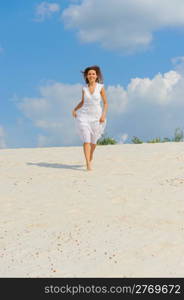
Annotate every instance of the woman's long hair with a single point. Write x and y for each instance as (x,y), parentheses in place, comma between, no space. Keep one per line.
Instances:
(98,73)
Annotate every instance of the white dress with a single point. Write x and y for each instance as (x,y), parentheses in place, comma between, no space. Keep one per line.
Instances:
(87,121)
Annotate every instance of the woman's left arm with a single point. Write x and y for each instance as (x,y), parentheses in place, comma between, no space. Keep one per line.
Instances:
(105,108)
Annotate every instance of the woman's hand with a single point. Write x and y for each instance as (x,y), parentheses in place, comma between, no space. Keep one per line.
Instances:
(74,114)
(102,119)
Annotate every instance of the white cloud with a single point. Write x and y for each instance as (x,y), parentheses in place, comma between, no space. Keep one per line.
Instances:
(45,10)
(2,138)
(126,26)
(118,99)
(159,90)
(178,63)
(46,125)
(52,112)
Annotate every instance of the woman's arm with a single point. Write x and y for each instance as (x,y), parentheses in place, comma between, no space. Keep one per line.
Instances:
(104,98)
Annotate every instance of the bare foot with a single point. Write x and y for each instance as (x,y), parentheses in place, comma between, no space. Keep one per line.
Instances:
(89,168)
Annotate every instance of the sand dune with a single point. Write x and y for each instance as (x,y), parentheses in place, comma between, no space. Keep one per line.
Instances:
(123,219)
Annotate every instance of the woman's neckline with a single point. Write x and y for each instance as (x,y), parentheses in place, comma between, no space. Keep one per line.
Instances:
(94,89)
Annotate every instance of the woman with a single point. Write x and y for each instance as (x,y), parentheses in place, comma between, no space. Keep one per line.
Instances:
(91,120)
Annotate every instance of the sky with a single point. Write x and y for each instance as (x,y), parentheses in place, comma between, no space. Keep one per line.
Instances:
(44,46)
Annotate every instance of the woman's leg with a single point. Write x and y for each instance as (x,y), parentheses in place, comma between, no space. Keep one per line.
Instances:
(87,150)
(93,146)
(86,144)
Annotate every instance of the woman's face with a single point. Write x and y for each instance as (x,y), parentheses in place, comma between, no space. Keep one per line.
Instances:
(92,76)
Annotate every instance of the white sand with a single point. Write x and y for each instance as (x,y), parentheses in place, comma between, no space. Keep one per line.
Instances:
(123,219)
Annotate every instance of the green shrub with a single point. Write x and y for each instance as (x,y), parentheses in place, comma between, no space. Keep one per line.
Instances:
(156,140)
(166,140)
(106,141)
(136,140)
(178,135)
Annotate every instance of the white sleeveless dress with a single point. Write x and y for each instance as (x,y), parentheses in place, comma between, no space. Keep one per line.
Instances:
(87,121)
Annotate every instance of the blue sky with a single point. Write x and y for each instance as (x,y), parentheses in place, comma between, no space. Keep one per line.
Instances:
(44,45)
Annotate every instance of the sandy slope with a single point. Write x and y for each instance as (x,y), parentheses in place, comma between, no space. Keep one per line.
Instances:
(123,219)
